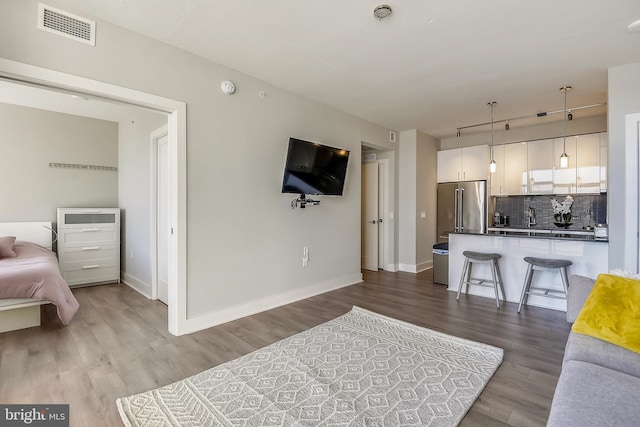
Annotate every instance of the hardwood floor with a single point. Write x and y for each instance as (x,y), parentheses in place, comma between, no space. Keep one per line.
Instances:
(118,345)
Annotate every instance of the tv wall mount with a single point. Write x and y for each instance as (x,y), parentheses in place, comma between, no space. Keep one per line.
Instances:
(303,201)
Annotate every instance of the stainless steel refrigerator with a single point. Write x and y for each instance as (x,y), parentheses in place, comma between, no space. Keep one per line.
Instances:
(462,208)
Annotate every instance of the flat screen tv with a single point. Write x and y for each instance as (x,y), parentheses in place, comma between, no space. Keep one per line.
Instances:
(314,169)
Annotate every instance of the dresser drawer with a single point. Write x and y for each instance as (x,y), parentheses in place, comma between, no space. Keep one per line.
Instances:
(79,255)
(89,236)
(91,273)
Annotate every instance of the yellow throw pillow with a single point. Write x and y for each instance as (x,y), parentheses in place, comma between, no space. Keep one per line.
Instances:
(612,312)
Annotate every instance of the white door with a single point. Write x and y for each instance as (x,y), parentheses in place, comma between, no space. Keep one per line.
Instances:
(370,216)
(163,228)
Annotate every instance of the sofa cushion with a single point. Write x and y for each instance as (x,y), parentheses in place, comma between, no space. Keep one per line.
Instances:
(590,395)
(592,350)
(579,289)
(612,312)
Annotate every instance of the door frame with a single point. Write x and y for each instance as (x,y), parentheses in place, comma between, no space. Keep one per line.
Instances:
(26,74)
(155,136)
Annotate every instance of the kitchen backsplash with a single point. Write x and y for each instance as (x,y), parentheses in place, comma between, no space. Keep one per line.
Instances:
(588,209)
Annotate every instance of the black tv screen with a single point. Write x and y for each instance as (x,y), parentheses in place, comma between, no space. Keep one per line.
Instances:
(313,168)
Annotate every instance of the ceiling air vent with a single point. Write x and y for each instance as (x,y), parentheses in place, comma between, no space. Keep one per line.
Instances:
(66,24)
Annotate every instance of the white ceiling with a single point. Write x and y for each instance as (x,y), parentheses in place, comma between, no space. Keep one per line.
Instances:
(432,65)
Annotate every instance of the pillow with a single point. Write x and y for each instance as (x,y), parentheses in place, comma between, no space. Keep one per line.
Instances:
(624,273)
(6,247)
(612,312)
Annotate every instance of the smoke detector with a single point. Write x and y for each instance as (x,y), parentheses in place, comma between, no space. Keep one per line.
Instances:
(382,12)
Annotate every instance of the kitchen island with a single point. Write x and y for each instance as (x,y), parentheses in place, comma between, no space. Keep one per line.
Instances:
(589,257)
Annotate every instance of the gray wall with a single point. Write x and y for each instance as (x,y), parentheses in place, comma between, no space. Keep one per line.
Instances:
(134,196)
(426,195)
(244,242)
(407,183)
(33,138)
(624,98)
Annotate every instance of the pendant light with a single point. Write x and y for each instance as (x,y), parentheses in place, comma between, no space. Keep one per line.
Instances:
(492,163)
(564,158)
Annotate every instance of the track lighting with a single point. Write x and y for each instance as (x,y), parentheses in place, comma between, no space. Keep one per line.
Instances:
(564,158)
(570,116)
(492,163)
(506,125)
(458,133)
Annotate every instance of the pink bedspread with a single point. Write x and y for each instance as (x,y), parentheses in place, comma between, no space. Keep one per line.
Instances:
(34,273)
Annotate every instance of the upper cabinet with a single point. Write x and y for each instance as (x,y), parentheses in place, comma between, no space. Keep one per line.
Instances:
(540,166)
(463,164)
(515,168)
(604,160)
(588,163)
(497,178)
(564,179)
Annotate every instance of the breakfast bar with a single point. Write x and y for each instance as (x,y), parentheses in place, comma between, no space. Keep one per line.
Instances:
(588,255)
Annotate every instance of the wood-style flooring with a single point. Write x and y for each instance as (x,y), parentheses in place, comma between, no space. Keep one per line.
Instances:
(118,345)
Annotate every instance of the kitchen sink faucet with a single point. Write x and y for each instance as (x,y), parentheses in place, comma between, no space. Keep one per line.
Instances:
(532,217)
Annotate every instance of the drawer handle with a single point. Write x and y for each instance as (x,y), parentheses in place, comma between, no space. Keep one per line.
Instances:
(86,267)
(91,248)
(90,229)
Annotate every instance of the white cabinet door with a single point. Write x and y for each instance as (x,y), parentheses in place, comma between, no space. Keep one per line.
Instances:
(475,163)
(564,179)
(449,165)
(540,166)
(604,160)
(497,178)
(588,164)
(515,168)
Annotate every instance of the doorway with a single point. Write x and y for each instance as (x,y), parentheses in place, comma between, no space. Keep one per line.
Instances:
(160,214)
(25,74)
(373,222)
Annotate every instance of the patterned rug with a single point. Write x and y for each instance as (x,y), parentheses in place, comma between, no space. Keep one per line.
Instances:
(361,369)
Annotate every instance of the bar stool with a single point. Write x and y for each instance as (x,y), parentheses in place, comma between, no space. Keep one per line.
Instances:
(544,263)
(466,279)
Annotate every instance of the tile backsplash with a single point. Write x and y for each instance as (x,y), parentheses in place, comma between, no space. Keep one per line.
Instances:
(587,209)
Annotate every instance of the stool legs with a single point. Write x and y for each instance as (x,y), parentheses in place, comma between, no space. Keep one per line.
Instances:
(498,286)
(565,280)
(526,286)
(465,276)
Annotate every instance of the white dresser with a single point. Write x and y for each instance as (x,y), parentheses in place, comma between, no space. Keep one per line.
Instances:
(89,245)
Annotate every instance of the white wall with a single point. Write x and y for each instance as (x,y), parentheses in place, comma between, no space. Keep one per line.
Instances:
(426,198)
(417,182)
(407,150)
(134,196)
(33,138)
(244,243)
(624,98)
(576,126)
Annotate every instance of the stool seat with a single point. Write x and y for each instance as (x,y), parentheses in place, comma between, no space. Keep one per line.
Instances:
(495,282)
(481,256)
(527,289)
(548,263)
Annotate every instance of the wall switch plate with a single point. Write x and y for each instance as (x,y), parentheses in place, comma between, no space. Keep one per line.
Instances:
(423,215)
(305,256)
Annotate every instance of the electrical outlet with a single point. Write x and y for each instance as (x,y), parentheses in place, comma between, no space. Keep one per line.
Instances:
(305,256)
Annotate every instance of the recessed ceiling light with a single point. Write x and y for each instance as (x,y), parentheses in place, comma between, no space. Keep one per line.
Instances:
(382,11)
(634,27)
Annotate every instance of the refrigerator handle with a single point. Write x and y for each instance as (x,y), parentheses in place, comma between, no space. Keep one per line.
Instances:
(455,210)
(461,209)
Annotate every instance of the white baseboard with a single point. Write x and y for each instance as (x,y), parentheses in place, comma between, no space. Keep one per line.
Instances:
(424,266)
(391,267)
(223,316)
(136,284)
(408,268)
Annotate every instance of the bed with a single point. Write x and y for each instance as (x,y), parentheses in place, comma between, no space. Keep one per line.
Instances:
(31,278)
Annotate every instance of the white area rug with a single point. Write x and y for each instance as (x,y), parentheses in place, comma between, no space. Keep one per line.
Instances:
(361,369)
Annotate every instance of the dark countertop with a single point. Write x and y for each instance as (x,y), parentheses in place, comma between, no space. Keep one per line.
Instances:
(545,233)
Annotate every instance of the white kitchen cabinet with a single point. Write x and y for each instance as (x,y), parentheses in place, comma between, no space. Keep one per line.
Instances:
(564,179)
(497,178)
(515,168)
(604,160)
(463,164)
(540,166)
(89,245)
(588,164)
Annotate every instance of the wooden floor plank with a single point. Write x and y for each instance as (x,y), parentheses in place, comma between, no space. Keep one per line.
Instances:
(118,344)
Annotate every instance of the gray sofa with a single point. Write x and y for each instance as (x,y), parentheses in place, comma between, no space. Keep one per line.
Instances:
(600,382)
